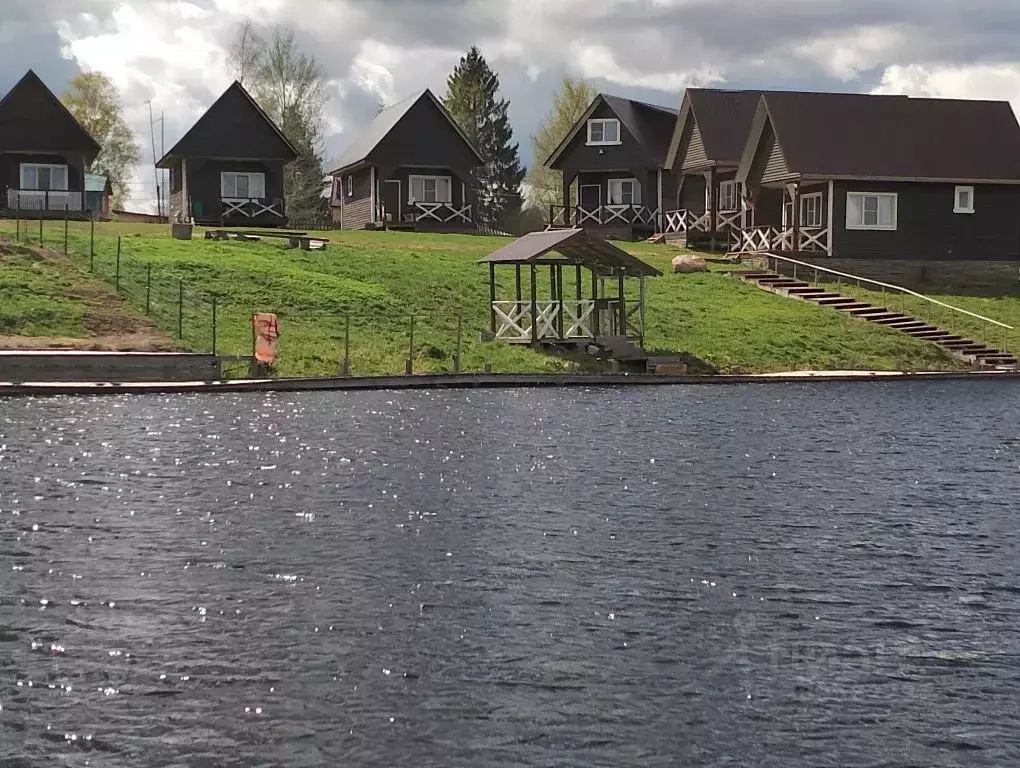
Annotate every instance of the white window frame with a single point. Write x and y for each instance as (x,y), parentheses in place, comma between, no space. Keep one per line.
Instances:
(37,167)
(603,142)
(350,185)
(957,208)
(816,197)
(728,189)
(249,175)
(615,189)
(424,178)
(853,225)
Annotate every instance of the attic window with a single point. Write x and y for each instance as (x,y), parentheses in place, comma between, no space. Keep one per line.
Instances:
(603,131)
(964,200)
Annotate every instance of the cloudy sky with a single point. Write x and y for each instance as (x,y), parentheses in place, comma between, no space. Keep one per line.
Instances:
(172,52)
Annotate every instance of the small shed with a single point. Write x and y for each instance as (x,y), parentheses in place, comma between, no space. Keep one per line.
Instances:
(585,306)
(98,192)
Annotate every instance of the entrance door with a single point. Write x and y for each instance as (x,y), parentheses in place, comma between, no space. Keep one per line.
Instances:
(590,200)
(391,201)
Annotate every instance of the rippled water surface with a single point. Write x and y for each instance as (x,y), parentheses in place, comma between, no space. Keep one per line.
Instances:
(775,575)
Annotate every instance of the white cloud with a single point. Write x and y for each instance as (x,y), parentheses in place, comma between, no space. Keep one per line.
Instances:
(846,54)
(999,82)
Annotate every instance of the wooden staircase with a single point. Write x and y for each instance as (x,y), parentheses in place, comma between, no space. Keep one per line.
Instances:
(961,347)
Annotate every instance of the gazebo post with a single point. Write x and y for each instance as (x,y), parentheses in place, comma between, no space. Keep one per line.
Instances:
(492,297)
(577,273)
(595,303)
(517,281)
(534,305)
(559,300)
(641,310)
(623,302)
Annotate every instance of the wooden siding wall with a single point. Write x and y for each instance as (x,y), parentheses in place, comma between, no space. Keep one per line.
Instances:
(578,156)
(769,164)
(768,207)
(10,169)
(695,155)
(692,193)
(176,192)
(356,209)
(648,180)
(928,229)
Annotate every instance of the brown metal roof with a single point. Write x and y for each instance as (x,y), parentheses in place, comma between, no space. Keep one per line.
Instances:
(573,245)
(724,118)
(895,137)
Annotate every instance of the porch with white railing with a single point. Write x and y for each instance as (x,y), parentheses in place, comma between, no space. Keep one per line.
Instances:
(44,200)
(684,220)
(604,216)
(439,213)
(251,207)
(766,239)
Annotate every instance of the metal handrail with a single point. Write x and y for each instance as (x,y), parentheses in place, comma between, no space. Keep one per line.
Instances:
(893,287)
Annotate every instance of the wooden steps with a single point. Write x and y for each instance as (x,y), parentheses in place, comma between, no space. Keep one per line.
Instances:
(960,346)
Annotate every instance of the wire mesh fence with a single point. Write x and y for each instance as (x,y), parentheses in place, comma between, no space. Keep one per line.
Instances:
(179,297)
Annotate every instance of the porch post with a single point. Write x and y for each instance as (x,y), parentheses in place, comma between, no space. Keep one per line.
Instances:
(796,217)
(661,208)
(566,199)
(828,238)
(623,303)
(372,192)
(534,305)
(712,195)
(185,202)
(492,297)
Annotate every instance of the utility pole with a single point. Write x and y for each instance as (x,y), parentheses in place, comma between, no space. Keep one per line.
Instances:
(155,170)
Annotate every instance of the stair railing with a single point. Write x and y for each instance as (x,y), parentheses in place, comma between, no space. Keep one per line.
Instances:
(773,260)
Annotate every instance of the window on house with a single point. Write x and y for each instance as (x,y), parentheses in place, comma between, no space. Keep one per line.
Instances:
(242,186)
(964,200)
(430,189)
(43,177)
(624,192)
(811,210)
(604,131)
(727,196)
(350,185)
(871,210)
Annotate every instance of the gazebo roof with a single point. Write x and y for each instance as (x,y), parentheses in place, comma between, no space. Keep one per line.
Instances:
(574,246)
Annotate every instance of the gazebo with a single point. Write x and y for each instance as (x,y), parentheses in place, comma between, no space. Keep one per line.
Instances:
(585,311)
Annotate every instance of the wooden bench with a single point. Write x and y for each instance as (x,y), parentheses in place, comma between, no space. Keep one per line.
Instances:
(300,240)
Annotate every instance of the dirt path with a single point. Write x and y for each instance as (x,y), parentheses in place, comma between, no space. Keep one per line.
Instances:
(109,323)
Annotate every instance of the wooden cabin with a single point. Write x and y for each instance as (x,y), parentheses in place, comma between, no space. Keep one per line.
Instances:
(883,177)
(613,161)
(704,152)
(44,152)
(227,170)
(412,168)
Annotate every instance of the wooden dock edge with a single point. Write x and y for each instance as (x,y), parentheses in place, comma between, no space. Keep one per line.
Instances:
(471,381)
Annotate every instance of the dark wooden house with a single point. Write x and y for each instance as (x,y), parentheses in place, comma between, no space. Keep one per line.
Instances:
(884,177)
(44,152)
(704,152)
(227,170)
(613,161)
(411,168)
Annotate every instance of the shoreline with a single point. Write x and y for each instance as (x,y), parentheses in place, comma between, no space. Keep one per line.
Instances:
(471,381)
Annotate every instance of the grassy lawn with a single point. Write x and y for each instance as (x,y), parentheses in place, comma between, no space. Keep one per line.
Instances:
(381,279)
(37,297)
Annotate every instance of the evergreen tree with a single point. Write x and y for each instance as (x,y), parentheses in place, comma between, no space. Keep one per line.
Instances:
(472,97)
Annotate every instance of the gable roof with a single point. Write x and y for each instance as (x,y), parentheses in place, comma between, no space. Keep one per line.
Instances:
(22,127)
(574,245)
(234,126)
(866,136)
(384,122)
(723,119)
(650,124)
(95,182)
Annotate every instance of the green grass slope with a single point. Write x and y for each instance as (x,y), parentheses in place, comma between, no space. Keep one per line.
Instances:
(381,279)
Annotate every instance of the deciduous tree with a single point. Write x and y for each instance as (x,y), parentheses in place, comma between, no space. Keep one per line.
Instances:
(246,53)
(472,98)
(95,102)
(570,102)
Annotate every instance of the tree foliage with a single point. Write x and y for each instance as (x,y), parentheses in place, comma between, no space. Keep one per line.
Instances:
(290,86)
(472,98)
(94,101)
(570,102)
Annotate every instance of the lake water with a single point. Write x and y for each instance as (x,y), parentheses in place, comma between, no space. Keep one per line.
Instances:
(763,575)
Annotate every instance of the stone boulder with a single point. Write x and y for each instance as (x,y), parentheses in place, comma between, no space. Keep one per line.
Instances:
(685,263)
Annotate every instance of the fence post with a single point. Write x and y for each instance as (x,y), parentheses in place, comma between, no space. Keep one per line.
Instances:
(66,216)
(180,308)
(346,370)
(409,368)
(456,355)
(116,278)
(148,288)
(92,241)
(214,324)
(17,224)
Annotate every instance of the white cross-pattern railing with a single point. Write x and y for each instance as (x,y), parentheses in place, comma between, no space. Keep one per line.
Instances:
(755,239)
(814,239)
(577,318)
(514,319)
(678,221)
(726,220)
(43,200)
(252,207)
(443,213)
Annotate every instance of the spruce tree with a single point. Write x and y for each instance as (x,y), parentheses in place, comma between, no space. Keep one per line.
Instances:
(472,97)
